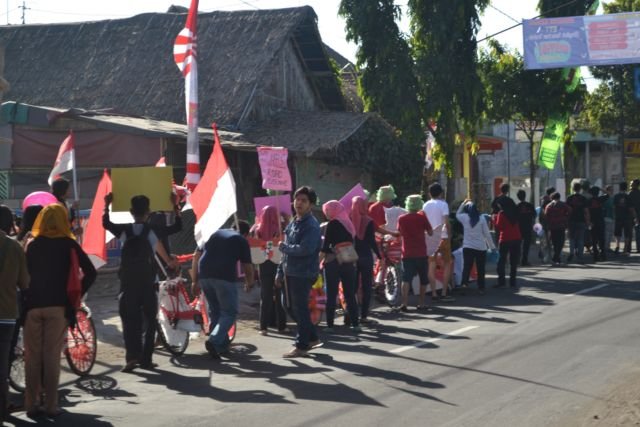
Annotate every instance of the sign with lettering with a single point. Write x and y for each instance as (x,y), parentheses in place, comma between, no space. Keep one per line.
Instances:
(582,40)
(274,168)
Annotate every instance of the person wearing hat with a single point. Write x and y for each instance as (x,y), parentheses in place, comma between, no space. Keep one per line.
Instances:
(634,199)
(412,227)
(385,196)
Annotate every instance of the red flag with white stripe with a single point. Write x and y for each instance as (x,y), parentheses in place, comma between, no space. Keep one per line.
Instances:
(214,199)
(66,159)
(94,236)
(184,54)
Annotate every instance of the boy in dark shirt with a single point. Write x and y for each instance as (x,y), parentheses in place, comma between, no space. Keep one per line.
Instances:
(578,222)
(526,217)
(624,216)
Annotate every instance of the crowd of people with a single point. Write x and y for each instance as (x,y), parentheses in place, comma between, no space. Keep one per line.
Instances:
(36,259)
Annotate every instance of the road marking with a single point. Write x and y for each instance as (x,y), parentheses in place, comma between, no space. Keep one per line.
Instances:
(434,339)
(584,291)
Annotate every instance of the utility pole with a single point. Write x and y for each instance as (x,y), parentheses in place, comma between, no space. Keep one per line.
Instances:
(24,8)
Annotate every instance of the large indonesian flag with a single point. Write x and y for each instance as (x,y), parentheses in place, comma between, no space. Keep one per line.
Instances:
(184,54)
(94,236)
(66,159)
(214,199)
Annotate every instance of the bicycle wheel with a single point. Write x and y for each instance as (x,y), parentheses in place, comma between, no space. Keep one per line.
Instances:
(175,341)
(82,344)
(392,283)
(16,369)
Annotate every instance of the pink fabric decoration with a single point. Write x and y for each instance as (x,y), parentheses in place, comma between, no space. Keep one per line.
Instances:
(333,209)
(268,223)
(360,216)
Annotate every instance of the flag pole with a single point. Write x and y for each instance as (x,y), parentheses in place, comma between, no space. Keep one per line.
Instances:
(75,178)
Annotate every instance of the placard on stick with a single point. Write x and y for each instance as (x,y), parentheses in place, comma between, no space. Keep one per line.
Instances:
(153,182)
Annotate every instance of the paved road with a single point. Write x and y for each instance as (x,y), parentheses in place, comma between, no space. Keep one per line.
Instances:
(537,357)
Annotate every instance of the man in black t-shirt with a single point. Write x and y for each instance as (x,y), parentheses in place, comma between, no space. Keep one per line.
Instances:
(215,271)
(596,212)
(624,216)
(634,200)
(526,217)
(578,222)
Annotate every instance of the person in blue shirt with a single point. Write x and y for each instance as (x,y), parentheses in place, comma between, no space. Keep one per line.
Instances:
(215,272)
(299,269)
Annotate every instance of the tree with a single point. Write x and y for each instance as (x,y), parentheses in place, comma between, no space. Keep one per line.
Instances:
(528,97)
(443,39)
(387,82)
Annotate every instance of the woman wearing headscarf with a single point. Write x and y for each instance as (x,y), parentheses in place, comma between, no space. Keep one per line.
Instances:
(28,218)
(268,227)
(48,307)
(476,239)
(366,246)
(506,224)
(340,230)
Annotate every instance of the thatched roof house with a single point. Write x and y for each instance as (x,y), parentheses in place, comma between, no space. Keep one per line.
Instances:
(128,64)
(264,76)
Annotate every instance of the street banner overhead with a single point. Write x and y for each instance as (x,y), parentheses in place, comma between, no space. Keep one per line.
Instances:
(582,40)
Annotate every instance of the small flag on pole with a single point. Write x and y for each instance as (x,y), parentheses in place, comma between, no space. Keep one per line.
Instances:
(66,159)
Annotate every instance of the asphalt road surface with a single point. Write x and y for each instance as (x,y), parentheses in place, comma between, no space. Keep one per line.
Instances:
(538,357)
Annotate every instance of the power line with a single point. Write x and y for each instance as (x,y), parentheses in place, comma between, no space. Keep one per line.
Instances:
(503,13)
(520,23)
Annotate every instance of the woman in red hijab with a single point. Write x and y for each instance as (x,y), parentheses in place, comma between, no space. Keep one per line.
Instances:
(267,228)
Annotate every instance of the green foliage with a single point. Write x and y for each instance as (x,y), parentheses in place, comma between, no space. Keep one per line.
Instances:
(556,8)
(387,83)
(443,41)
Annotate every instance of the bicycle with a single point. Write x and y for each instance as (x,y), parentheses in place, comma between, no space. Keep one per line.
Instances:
(80,349)
(179,315)
(387,271)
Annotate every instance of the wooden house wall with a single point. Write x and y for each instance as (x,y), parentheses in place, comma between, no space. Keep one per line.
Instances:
(284,86)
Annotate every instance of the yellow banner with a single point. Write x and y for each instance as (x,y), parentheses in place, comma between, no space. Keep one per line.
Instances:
(153,182)
(632,147)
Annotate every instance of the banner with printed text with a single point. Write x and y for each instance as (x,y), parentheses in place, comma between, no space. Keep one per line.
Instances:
(552,140)
(582,40)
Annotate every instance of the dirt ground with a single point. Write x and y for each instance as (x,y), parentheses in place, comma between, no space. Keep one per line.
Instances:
(619,405)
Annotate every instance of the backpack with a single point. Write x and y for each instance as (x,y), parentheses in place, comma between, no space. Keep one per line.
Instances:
(137,259)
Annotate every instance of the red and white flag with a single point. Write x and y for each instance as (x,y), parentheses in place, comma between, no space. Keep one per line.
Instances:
(66,159)
(94,241)
(214,199)
(184,54)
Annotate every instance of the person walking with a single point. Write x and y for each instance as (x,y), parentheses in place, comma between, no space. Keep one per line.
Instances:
(504,194)
(557,218)
(624,218)
(137,274)
(439,242)
(267,228)
(412,227)
(579,221)
(526,218)
(609,220)
(596,214)
(340,233)
(49,310)
(300,267)
(634,201)
(13,276)
(214,270)
(510,239)
(366,246)
(475,242)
